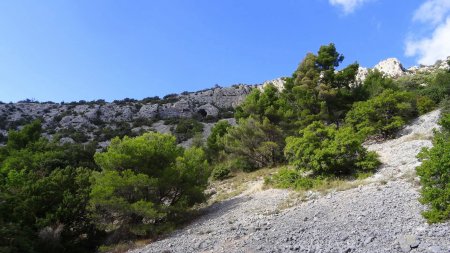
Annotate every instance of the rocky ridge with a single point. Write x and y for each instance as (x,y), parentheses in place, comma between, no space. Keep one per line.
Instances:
(381,215)
(87,119)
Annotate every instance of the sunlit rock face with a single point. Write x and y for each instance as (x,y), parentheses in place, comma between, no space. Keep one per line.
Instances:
(391,67)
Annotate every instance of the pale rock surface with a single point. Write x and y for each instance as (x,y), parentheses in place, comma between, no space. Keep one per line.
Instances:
(361,75)
(391,67)
(148,111)
(278,83)
(209,109)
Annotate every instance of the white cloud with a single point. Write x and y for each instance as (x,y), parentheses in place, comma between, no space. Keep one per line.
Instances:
(348,5)
(433,48)
(432,11)
(435,15)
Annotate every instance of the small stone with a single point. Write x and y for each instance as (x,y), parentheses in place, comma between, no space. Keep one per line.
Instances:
(408,242)
(368,240)
(435,249)
(347,250)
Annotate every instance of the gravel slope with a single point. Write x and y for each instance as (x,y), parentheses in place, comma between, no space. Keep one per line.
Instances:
(381,216)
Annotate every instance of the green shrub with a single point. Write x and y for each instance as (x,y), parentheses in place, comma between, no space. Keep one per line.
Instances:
(326,150)
(288,178)
(43,194)
(214,143)
(146,184)
(438,87)
(374,84)
(258,143)
(434,175)
(425,104)
(221,171)
(384,114)
(445,105)
(187,128)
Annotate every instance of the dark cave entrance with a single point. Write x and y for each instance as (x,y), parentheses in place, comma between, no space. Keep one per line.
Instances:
(202,112)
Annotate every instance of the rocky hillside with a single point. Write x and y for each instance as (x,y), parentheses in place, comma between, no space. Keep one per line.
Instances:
(83,121)
(100,121)
(379,214)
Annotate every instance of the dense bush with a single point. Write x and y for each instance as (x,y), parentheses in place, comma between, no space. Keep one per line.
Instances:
(146,184)
(374,84)
(221,171)
(288,178)
(261,104)
(445,105)
(187,128)
(438,88)
(326,150)
(43,193)
(434,175)
(214,143)
(384,114)
(425,104)
(258,143)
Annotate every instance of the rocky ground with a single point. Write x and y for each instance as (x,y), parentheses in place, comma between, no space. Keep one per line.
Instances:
(381,215)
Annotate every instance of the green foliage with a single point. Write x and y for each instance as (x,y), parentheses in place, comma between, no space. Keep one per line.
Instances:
(438,88)
(425,104)
(258,143)
(261,104)
(434,173)
(317,91)
(44,191)
(221,171)
(445,105)
(414,82)
(20,139)
(374,84)
(187,128)
(384,114)
(288,178)
(214,143)
(326,150)
(145,185)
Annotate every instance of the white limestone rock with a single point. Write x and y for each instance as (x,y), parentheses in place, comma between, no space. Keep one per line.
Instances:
(361,75)
(278,83)
(391,67)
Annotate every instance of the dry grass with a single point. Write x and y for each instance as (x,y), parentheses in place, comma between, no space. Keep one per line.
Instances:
(294,199)
(418,136)
(238,183)
(411,177)
(124,247)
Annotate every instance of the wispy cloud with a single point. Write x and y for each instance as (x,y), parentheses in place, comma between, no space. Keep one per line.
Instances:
(435,14)
(432,11)
(348,6)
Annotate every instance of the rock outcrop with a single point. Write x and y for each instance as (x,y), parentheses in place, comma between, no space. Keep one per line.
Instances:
(391,67)
(278,83)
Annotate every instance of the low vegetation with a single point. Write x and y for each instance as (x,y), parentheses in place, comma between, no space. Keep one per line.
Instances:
(434,175)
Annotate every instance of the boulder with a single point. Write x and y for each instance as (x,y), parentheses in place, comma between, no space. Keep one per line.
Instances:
(208,110)
(148,111)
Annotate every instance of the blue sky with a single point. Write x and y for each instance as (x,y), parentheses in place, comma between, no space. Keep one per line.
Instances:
(73,50)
